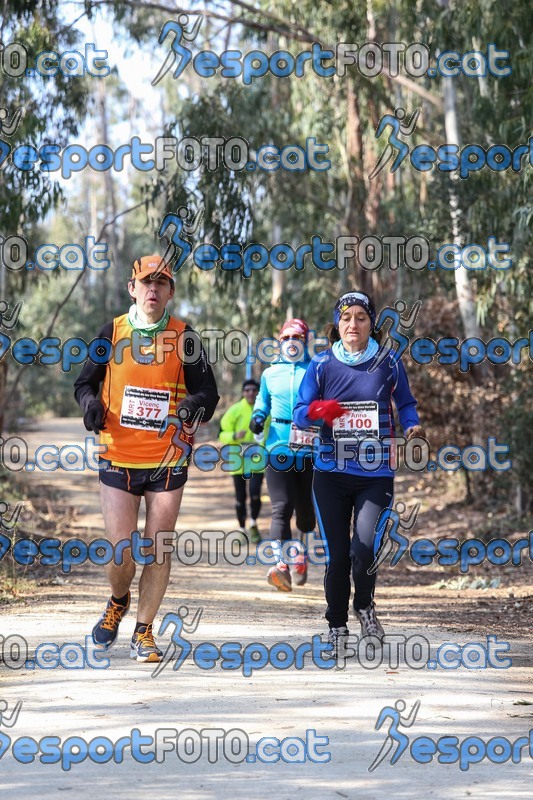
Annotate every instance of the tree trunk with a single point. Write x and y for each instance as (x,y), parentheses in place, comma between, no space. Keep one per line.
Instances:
(355,212)
(3,385)
(110,200)
(465,296)
(278,275)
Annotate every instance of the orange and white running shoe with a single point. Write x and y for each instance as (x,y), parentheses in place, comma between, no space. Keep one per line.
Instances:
(280,577)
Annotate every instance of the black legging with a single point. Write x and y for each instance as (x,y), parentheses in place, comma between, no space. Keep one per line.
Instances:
(254,487)
(290,491)
(337,496)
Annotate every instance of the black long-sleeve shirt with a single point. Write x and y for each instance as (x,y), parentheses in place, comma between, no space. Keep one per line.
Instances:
(199,378)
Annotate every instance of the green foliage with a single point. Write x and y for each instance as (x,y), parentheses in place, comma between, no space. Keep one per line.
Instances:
(517,421)
(247,207)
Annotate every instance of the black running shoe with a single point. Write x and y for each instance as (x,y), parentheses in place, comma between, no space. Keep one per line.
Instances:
(337,642)
(370,624)
(105,631)
(143,646)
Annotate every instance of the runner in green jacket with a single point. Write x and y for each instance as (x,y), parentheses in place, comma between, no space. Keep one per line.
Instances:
(234,427)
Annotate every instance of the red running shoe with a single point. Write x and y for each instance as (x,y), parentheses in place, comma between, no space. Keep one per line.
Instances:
(300,569)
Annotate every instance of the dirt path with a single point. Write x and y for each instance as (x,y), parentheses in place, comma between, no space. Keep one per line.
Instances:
(237,604)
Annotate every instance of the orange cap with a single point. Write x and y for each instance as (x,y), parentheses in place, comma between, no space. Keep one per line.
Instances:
(147,265)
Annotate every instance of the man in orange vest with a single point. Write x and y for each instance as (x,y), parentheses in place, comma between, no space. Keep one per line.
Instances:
(152,378)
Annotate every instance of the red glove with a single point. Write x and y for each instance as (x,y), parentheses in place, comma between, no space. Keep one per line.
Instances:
(328,410)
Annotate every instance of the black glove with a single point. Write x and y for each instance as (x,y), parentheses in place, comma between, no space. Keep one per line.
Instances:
(256,425)
(189,408)
(93,419)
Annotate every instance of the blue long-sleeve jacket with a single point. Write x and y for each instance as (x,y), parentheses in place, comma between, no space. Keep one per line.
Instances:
(277,396)
(327,378)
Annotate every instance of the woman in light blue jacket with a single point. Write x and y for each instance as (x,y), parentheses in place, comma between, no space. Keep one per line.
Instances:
(289,472)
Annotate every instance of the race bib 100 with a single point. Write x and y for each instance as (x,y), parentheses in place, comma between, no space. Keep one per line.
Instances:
(360,420)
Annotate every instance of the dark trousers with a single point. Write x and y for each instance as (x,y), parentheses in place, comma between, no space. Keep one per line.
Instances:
(290,491)
(254,487)
(339,497)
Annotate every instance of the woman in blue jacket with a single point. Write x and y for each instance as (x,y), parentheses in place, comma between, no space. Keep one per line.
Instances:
(350,388)
(289,474)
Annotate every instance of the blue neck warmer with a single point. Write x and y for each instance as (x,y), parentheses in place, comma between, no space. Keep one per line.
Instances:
(351,359)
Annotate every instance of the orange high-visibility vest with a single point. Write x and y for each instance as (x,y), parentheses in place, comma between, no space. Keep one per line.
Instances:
(139,397)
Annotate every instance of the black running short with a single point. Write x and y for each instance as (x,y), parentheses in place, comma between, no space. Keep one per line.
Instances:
(139,481)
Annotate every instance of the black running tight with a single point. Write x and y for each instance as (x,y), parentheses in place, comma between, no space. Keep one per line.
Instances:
(338,497)
(254,487)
